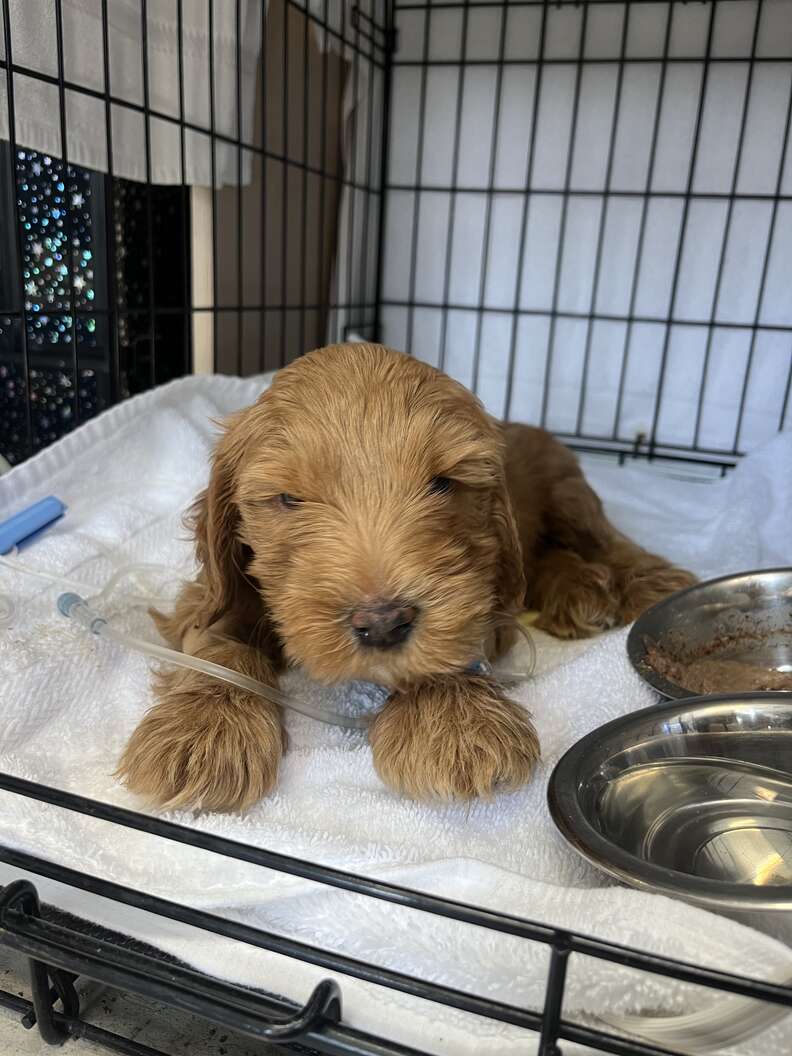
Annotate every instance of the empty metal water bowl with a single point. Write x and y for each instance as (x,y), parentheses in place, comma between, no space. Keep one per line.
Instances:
(688,798)
(723,636)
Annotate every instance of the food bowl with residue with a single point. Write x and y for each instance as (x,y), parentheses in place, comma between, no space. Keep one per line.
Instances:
(728,635)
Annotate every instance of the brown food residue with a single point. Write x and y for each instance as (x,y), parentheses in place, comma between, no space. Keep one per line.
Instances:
(707,674)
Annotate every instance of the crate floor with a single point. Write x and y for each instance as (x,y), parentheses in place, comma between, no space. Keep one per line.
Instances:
(152,1024)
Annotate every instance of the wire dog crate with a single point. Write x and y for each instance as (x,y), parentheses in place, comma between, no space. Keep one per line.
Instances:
(608,259)
(586,222)
(581,210)
(234,153)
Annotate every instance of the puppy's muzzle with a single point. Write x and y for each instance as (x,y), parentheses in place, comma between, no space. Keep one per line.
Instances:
(383,625)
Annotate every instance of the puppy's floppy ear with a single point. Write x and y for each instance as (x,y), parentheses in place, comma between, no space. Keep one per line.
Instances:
(215,521)
(510,570)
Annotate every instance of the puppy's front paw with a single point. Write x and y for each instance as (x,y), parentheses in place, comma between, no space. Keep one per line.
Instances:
(453,738)
(581,601)
(645,586)
(203,745)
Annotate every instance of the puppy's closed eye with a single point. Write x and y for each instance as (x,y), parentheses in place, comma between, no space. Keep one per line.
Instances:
(440,485)
(287,501)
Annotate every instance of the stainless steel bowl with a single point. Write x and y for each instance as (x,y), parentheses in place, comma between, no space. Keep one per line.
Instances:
(745,619)
(692,799)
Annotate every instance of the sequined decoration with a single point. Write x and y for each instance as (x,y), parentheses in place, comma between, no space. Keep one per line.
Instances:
(122,348)
(55,214)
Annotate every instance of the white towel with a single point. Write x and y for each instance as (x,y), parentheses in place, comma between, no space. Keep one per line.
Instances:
(70,702)
(37,108)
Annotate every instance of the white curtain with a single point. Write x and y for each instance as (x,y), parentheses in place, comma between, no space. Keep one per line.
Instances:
(354,278)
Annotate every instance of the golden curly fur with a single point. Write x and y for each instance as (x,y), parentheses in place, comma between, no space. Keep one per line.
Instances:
(362,477)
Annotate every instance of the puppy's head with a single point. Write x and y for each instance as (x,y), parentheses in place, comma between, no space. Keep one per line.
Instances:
(363,497)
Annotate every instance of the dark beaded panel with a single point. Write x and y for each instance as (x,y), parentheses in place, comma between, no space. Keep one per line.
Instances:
(62,237)
(56,210)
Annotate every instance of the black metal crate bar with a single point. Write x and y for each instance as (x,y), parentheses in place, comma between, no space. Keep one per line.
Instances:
(445,66)
(287,175)
(318,1024)
(316,282)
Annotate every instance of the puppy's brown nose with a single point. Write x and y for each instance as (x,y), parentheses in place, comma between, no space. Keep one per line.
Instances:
(383,626)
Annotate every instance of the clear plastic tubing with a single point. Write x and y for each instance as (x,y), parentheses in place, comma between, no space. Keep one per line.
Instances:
(76,608)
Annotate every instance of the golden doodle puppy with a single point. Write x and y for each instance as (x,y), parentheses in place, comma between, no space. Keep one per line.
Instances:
(368,520)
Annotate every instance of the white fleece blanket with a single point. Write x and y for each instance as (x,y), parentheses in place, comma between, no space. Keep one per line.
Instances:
(69,702)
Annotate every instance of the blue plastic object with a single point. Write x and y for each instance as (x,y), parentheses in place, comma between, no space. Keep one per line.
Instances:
(25,524)
(66,603)
(478,667)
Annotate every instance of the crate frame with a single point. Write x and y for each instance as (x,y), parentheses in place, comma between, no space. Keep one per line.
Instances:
(59,954)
